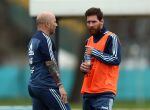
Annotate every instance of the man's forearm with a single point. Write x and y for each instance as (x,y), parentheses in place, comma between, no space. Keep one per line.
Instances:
(107,58)
(53,69)
(113,56)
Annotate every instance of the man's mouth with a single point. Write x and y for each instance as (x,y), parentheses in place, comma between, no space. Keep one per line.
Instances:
(92,30)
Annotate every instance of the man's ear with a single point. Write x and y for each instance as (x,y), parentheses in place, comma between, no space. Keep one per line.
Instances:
(47,24)
(102,23)
(102,20)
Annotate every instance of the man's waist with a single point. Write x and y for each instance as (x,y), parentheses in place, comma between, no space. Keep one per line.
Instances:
(37,63)
(103,94)
(42,84)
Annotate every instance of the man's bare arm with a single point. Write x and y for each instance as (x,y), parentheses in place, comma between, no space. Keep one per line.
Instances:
(53,69)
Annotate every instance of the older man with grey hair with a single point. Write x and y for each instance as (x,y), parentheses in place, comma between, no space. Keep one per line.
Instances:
(45,87)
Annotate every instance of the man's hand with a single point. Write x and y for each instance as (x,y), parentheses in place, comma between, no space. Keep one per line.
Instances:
(88,50)
(84,67)
(63,94)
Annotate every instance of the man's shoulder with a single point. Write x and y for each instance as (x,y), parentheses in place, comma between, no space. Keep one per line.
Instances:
(113,38)
(38,35)
(112,35)
(36,39)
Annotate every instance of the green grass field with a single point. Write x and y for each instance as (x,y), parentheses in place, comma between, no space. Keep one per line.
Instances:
(118,105)
(30,108)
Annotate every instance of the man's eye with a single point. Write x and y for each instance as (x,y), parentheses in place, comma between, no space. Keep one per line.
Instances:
(93,21)
(88,22)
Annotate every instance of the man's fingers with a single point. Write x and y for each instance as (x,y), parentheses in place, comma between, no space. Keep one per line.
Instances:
(63,94)
(88,50)
(85,66)
(64,98)
(88,47)
(84,69)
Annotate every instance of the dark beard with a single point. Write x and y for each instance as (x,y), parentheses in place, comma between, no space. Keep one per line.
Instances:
(95,33)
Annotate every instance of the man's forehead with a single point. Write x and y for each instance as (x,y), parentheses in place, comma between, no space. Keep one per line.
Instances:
(92,17)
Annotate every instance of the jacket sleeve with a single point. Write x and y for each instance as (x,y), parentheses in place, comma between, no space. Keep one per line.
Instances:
(112,51)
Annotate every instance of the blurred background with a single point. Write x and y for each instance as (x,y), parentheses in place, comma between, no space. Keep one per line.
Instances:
(17,24)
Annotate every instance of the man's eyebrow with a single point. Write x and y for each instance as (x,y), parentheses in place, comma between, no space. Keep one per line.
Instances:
(91,20)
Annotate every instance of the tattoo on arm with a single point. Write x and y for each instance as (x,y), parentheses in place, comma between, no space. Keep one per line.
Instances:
(53,69)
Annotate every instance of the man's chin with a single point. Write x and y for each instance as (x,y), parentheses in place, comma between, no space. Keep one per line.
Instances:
(52,33)
(92,33)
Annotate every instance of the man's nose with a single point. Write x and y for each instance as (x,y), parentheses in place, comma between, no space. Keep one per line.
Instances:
(56,24)
(91,24)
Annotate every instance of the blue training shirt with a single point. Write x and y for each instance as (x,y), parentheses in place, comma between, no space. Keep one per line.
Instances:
(41,49)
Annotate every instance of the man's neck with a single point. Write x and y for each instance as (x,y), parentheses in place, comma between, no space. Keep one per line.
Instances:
(99,35)
(44,31)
